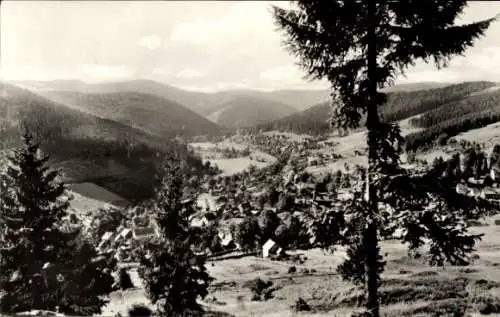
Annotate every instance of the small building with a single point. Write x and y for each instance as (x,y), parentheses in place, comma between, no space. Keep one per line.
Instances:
(205,220)
(474,192)
(123,235)
(490,194)
(226,238)
(255,212)
(495,174)
(107,236)
(462,189)
(143,233)
(345,194)
(271,248)
(475,181)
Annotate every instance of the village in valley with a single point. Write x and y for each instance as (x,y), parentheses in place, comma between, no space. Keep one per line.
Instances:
(282,198)
(238,159)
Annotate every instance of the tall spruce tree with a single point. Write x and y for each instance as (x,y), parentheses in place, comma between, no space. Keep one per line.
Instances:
(495,157)
(360,47)
(42,265)
(174,275)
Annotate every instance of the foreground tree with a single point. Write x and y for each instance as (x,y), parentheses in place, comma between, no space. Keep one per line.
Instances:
(360,47)
(43,265)
(174,275)
(495,157)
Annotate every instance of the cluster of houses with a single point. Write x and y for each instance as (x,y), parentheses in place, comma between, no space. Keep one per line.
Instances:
(320,159)
(277,144)
(475,188)
(124,239)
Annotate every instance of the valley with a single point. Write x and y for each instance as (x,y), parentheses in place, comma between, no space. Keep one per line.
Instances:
(241,169)
(250,158)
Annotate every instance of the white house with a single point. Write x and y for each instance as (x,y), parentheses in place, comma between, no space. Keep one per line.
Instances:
(123,235)
(225,238)
(271,248)
(107,236)
(462,189)
(495,174)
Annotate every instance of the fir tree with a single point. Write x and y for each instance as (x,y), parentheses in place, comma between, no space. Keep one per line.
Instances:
(43,265)
(481,165)
(359,47)
(495,157)
(174,275)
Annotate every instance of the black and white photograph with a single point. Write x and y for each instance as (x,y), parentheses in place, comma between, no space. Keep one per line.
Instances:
(317,158)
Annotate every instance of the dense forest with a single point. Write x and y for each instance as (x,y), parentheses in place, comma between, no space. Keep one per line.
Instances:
(69,134)
(313,121)
(148,112)
(404,104)
(453,118)
(399,105)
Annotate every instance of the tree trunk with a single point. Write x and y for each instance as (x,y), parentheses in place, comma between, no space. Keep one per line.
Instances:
(370,238)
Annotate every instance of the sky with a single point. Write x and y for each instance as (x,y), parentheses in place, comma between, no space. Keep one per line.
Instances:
(195,45)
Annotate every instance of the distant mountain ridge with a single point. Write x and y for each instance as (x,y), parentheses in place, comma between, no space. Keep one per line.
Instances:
(148,112)
(400,105)
(235,109)
(243,111)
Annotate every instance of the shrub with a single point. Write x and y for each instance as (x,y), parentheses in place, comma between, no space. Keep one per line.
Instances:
(260,289)
(246,234)
(124,279)
(487,304)
(140,310)
(301,305)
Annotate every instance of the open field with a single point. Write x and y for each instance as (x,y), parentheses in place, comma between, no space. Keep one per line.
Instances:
(489,135)
(410,286)
(98,193)
(231,166)
(236,165)
(348,145)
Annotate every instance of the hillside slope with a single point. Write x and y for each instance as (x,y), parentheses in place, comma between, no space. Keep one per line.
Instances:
(399,105)
(473,112)
(144,111)
(244,111)
(204,103)
(300,99)
(115,156)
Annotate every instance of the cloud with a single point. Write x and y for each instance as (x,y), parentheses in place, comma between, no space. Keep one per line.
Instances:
(160,71)
(285,72)
(481,64)
(152,42)
(242,29)
(225,41)
(20,72)
(231,85)
(95,71)
(486,60)
(443,76)
(189,74)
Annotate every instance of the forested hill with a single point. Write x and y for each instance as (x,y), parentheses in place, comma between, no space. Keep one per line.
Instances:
(246,111)
(204,103)
(400,105)
(116,156)
(148,112)
(455,117)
